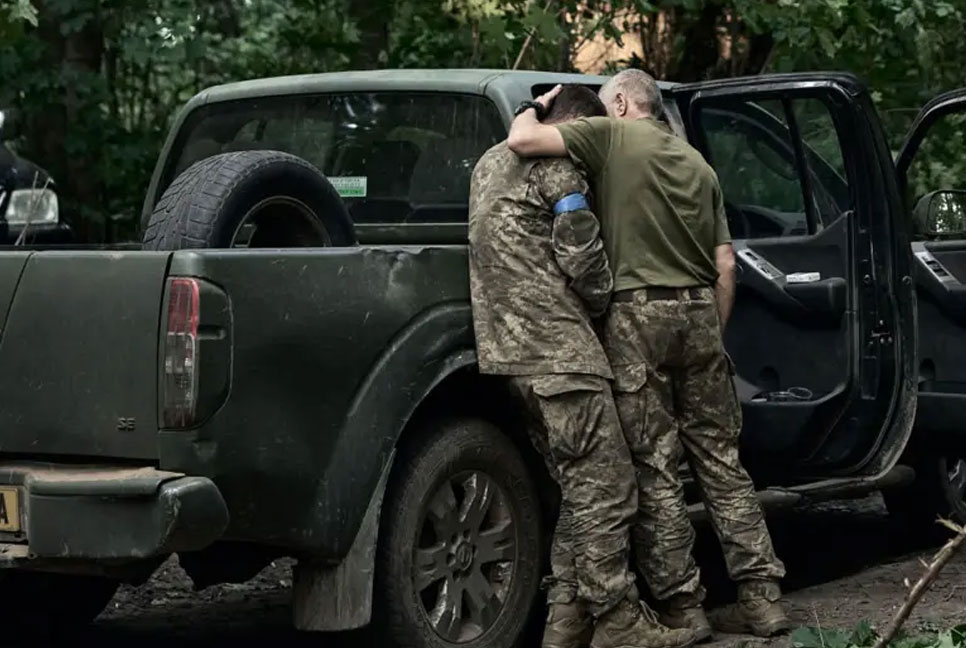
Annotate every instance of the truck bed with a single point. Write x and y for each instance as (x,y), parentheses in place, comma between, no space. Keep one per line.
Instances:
(310,359)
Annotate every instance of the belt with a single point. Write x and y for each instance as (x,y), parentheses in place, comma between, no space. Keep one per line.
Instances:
(659,293)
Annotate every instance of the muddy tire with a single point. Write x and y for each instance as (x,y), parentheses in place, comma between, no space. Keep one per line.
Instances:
(461,542)
(40,601)
(249,199)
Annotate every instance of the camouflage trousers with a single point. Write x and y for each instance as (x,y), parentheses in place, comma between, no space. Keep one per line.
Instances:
(576,428)
(676,400)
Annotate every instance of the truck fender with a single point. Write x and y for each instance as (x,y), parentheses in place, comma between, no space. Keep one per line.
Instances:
(433,345)
(338,597)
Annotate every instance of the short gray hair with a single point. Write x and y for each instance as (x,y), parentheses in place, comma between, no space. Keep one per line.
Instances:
(639,87)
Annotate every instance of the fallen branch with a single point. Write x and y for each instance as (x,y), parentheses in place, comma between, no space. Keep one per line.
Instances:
(916,592)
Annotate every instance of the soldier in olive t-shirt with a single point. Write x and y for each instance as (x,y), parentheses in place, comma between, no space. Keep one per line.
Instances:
(661,214)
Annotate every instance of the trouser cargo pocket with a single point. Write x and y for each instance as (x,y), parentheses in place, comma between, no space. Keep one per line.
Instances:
(630,396)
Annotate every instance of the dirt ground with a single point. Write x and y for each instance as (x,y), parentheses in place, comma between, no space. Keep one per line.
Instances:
(846,562)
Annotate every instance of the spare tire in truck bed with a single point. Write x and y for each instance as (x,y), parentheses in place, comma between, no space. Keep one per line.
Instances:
(249,199)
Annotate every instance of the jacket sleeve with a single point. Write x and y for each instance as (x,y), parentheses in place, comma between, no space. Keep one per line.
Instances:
(577,246)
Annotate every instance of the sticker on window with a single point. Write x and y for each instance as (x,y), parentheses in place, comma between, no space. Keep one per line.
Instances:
(350,186)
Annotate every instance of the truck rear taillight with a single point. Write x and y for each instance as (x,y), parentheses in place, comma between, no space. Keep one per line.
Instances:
(179,390)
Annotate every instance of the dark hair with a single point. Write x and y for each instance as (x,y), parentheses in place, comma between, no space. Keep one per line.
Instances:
(575,101)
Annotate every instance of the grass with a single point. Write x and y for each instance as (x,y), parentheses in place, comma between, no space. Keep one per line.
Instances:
(865,636)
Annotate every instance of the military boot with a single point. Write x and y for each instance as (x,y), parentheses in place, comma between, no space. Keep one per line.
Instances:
(758,611)
(633,625)
(568,626)
(685,611)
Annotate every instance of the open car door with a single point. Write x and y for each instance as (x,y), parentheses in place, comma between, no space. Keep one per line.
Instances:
(931,170)
(823,330)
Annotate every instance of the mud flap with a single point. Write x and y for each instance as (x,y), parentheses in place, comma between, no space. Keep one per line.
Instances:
(329,598)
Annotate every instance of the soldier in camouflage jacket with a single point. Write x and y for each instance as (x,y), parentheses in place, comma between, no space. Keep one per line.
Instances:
(539,275)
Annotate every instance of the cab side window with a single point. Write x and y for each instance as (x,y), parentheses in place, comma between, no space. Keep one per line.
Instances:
(394,157)
(763,173)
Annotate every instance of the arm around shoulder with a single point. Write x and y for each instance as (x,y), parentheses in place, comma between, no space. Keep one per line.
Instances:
(530,138)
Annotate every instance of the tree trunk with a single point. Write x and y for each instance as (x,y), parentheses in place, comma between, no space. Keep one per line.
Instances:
(372,18)
(698,56)
(78,55)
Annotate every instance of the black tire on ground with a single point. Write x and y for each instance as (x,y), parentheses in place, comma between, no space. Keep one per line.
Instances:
(461,544)
(46,601)
(938,491)
(216,202)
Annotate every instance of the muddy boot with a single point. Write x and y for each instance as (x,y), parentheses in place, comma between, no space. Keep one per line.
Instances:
(758,611)
(633,625)
(568,626)
(685,611)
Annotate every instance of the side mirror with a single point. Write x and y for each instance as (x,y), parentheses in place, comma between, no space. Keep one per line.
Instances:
(941,214)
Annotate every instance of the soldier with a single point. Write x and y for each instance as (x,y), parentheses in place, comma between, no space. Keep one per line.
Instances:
(538,275)
(664,228)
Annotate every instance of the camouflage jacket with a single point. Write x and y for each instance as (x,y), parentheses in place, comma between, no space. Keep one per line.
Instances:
(536,280)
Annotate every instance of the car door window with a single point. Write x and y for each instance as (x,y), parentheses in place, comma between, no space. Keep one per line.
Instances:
(750,146)
(826,165)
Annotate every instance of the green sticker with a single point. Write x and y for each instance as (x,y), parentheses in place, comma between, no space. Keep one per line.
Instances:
(350,186)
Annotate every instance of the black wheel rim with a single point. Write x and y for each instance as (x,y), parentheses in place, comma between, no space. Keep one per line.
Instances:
(280,221)
(953,472)
(463,563)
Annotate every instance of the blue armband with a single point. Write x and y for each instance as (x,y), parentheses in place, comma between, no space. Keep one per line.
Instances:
(569,203)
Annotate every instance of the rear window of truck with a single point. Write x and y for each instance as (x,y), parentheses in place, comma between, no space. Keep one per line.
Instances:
(394,157)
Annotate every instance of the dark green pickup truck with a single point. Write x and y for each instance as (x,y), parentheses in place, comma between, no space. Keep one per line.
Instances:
(288,368)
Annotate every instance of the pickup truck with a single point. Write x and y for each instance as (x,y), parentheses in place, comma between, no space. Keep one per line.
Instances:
(287,367)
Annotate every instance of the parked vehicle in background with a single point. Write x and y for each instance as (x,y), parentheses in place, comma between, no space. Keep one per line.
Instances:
(29,208)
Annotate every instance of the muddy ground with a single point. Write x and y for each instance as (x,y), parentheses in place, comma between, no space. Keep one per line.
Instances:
(846,562)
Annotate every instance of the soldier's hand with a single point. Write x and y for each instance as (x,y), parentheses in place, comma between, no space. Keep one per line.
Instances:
(547,98)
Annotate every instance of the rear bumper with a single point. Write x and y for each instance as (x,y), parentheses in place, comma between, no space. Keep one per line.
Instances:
(98,513)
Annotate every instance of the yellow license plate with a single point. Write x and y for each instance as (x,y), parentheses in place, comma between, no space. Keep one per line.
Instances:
(9,510)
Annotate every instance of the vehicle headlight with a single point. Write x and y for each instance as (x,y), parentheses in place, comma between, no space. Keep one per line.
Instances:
(36,206)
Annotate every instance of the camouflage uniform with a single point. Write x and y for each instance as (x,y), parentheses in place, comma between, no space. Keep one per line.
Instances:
(536,281)
(675,395)
(662,218)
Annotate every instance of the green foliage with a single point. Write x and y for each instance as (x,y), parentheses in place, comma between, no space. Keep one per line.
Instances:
(14,15)
(99,81)
(865,636)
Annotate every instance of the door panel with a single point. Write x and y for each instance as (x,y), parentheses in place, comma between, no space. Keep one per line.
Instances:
(932,159)
(812,211)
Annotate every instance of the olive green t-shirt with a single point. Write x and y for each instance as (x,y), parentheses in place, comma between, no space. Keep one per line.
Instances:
(658,201)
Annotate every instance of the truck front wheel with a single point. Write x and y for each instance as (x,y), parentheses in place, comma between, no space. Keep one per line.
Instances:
(461,541)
